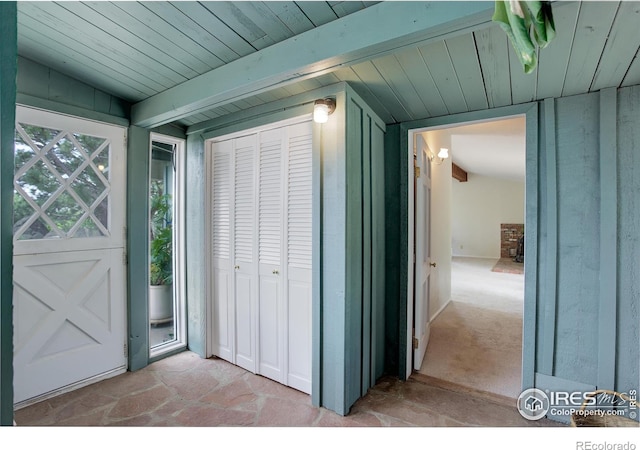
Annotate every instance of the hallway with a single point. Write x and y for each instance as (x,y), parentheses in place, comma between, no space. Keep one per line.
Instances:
(476,341)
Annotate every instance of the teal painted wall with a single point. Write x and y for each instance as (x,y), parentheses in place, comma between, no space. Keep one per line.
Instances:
(138,141)
(40,86)
(8,56)
(588,320)
(195,220)
(364,295)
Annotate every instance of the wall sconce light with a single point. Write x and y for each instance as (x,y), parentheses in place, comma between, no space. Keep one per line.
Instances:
(322,109)
(442,155)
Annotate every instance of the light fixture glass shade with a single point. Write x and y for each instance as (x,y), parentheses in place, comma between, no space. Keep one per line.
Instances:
(320,113)
(443,153)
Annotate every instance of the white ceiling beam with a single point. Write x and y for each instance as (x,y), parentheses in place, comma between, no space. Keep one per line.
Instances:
(363,35)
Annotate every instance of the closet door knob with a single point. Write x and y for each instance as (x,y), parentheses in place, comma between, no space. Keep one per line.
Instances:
(275,271)
(432,264)
(237,267)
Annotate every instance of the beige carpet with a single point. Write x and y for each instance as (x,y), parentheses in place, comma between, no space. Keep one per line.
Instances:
(508,265)
(476,341)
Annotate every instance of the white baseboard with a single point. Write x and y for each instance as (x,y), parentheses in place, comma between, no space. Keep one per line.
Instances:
(440,310)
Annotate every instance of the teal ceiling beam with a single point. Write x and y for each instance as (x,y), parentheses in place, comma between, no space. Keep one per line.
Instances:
(361,36)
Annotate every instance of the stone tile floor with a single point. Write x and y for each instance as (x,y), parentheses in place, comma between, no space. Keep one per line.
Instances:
(187,391)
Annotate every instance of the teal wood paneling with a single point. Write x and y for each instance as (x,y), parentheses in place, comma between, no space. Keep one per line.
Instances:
(378,248)
(138,144)
(113,52)
(627,365)
(549,294)
(594,23)
(607,320)
(622,45)
(41,87)
(291,16)
(333,269)
(367,244)
(532,248)
(364,133)
(393,243)
(633,75)
(393,74)
(464,56)
(578,258)
(493,53)
(437,59)
(354,253)
(171,44)
(318,12)
(216,29)
(420,78)
(554,59)
(349,76)
(368,73)
(112,76)
(523,85)
(142,54)
(8,70)
(196,274)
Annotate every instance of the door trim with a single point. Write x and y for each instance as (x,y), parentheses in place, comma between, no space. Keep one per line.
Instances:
(530,111)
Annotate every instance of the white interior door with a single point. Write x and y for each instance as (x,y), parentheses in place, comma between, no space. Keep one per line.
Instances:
(261,233)
(271,321)
(299,241)
(245,251)
(69,271)
(222,280)
(422,251)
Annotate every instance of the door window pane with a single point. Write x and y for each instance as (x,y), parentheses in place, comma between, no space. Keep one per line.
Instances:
(61,187)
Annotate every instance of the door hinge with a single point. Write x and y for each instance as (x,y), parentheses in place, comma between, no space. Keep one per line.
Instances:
(417,171)
(126,350)
(415,343)
(125,259)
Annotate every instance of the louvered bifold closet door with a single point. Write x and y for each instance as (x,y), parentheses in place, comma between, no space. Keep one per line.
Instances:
(271,319)
(245,251)
(222,277)
(298,231)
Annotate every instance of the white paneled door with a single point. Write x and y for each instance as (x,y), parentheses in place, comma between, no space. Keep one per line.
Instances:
(69,270)
(261,251)
(422,241)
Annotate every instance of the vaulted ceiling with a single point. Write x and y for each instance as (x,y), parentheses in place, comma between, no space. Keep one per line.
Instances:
(138,50)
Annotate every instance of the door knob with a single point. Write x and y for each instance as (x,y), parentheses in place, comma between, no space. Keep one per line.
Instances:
(432,264)
(237,267)
(275,271)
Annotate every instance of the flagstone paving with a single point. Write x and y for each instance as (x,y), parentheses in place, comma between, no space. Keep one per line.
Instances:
(185,390)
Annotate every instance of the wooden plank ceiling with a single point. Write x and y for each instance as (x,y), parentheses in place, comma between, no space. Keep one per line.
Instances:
(135,50)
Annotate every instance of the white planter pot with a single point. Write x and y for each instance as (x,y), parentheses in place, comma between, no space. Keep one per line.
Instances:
(160,303)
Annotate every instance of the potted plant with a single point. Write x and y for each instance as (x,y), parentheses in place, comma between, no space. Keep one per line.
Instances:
(160,256)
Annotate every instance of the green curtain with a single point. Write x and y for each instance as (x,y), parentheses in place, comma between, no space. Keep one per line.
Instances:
(528,24)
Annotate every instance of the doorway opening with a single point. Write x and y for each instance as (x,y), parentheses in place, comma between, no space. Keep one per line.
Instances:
(475,299)
(167,305)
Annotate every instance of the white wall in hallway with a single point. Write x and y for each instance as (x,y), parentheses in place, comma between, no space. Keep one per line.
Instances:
(478,208)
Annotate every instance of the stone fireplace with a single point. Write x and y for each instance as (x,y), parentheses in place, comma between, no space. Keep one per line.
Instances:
(509,235)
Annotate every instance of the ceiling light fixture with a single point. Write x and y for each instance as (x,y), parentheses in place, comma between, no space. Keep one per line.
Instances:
(322,109)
